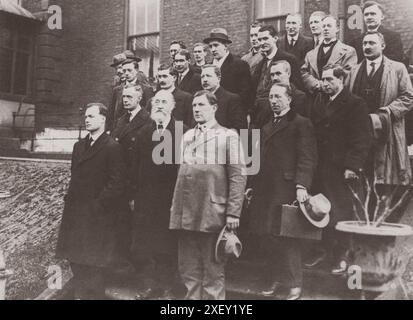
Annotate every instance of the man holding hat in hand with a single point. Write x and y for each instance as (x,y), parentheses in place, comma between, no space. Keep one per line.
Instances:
(235,73)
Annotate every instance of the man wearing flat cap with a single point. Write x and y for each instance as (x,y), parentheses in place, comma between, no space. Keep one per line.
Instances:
(235,73)
(132,75)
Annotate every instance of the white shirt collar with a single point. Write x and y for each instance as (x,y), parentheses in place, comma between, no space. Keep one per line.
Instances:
(376,61)
(132,114)
(183,74)
(319,38)
(272,55)
(332,40)
(295,38)
(282,113)
(219,63)
(332,98)
(95,136)
(164,123)
(207,126)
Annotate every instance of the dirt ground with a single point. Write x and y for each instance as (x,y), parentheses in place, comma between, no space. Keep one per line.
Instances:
(29,222)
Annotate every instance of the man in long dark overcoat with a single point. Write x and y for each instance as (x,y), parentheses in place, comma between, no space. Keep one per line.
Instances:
(343,135)
(156,172)
(87,237)
(288,162)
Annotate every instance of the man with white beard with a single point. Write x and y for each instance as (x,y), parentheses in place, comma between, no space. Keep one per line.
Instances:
(155,175)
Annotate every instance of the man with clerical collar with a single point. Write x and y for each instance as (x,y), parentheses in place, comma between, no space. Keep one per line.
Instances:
(294,41)
(254,56)
(230,113)
(156,172)
(331,52)
(316,27)
(374,14)
(167,76)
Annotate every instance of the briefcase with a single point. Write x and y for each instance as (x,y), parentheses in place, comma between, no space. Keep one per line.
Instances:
(295,225)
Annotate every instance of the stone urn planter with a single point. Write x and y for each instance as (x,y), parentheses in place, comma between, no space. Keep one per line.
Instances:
(374,250)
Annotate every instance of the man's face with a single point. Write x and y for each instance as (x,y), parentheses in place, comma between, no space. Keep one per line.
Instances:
(279,99)
(279,75)
(372,46)
(316,25)
(173,50)
(293,25)
(330,29)
(203,110)
(165,79)
(218,49)
(162,106)
(199,54)
(131,98)
(93,119)
(181,64)
(331,84)
(267,42)
(373,17)
(209,79)
(254,38)
(130,72)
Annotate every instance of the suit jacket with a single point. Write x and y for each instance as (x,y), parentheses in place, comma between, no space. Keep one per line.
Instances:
(116,109)
(342,55)
(191,83)
(230,113)
(126,134)
(236,78)
(288,157)
(300,49)
(252,59)
(295,74)
(210,186)
(396,96)
(91,206)
(183,107)
(394,45)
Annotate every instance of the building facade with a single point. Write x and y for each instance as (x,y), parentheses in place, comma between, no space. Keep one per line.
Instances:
(51,73)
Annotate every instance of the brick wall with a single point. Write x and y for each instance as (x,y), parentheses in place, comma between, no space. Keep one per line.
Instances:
(192,20)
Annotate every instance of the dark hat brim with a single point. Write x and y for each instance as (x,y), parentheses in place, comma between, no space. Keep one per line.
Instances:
(208,40)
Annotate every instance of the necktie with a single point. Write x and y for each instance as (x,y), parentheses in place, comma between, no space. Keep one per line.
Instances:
(160,127)
(277,119)
(179,79)
(292,42)
(373,70)
(89,143)
(129,117)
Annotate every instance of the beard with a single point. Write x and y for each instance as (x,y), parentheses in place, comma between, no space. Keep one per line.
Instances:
(158,116)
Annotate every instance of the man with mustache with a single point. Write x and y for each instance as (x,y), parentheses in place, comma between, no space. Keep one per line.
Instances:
(254,56)
(188,80)
(386,87)
(316,27)
(267,37)
(230,113)
(293,41)
(331,52)
(374,15)
(155,171)
(182,111)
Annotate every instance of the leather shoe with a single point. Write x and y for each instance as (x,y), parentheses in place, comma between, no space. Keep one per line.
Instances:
(294,294)
(272,291)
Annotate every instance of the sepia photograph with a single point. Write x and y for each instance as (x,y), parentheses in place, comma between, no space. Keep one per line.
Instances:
(181,151)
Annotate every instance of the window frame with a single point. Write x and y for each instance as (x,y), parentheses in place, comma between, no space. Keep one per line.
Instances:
(20,27)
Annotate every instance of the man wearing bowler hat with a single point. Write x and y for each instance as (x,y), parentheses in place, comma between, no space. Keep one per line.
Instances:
(235,73)
(133,76)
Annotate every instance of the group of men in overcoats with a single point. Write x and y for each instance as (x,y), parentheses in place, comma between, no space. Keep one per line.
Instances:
(155,182)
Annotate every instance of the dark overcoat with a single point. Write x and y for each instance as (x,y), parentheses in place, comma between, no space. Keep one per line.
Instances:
(191,83)
(344,140)
(300,48)
(288,158)
(155,188)
(236,78)
(86,233)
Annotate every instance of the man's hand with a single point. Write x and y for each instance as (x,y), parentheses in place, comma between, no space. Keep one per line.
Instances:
(302,195)
(350,175)
(232,223)
(132,205)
